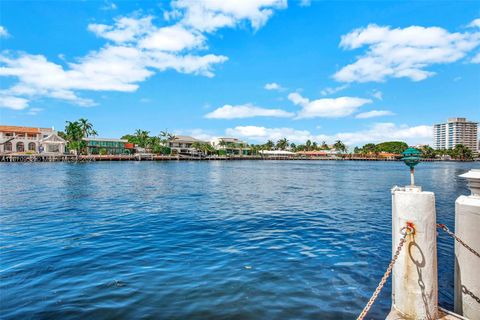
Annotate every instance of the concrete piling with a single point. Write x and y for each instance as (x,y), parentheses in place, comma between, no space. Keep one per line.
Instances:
(414,281)
(467,265)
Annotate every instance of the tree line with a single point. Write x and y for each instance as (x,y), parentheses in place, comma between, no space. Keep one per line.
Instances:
(76,131)
(460,152)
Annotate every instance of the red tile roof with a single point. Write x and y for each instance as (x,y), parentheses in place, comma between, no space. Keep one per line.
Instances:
(18,129)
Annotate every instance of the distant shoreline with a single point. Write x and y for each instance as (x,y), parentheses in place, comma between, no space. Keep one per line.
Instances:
(28,158)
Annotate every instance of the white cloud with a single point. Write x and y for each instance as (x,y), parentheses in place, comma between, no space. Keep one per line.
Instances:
(3,32)
(200,134)
(173,38)
(377,95)
(327,108)
(125,29)
(378,132)
(374,113)
(476,58)
(208,15)
(12,102)
(108,5)
(34,111)
(135,50)
(273,86)
(329,90)
(402,52)
(305,3)
(262,134)
(245,111)
(475,23)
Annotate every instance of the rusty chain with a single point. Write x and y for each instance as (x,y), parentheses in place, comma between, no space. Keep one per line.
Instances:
(405,231)
(450,233)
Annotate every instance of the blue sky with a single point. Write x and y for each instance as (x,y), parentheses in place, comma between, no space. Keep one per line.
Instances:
(257,70)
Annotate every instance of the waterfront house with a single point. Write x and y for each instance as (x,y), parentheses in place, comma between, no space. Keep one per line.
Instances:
(109,146)
(17,139)
(231,146)
(184,145)
(277,154)
(319,153)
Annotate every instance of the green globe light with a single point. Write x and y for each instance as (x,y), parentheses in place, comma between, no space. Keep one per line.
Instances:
(411,157)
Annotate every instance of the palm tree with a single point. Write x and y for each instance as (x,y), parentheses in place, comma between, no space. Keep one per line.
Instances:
(427,152)
(324,146)
(314,145)
(74,137)
(269,145)
(167,136)
(282,144)
(462,152)
(142,137)
(308,144)
(340,146)
(86,127)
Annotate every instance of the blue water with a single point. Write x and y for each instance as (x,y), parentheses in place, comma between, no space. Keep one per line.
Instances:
(206,240)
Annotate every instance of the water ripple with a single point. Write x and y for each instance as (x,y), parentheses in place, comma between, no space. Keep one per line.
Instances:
(201,240)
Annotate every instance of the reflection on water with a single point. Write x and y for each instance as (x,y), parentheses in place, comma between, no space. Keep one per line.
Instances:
(199,240)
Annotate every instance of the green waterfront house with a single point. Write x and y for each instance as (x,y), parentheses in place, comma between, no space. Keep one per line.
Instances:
(109,146)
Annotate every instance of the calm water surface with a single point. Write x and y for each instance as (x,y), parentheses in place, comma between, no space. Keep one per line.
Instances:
(206,240)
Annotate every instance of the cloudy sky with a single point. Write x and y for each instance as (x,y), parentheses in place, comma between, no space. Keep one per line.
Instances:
(258,69)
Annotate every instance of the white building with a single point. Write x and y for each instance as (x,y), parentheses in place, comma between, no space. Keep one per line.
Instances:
(15,139)
(456,131)
(231,145)
(184,145)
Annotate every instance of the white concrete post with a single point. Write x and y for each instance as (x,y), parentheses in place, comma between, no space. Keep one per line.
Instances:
(467,265)
(414,280)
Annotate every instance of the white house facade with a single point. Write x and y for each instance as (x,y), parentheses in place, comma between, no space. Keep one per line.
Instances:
(16,139)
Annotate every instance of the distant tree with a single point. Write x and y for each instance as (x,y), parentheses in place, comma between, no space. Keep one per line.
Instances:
(166,136)
(369,148)
(340,146)
(282,144)
(86,127)
(427,152)
(300,147)
(462,152)
(142,137)
(62,135)
(269,145)
(324,146)
(130,138)
(293,146)
(74,137)
(314,146)
(308,145)
(205,148)
(392,147)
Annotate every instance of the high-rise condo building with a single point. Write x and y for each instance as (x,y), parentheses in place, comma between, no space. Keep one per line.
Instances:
(456,131)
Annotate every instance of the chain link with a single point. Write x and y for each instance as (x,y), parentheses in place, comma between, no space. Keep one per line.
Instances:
(445,228)
(405,231)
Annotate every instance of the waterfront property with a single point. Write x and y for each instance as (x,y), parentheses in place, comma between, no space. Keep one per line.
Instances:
(17,139)
(456,131)
(319,153)
(277,154)
(231,146)
(109,146)
(184,145)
